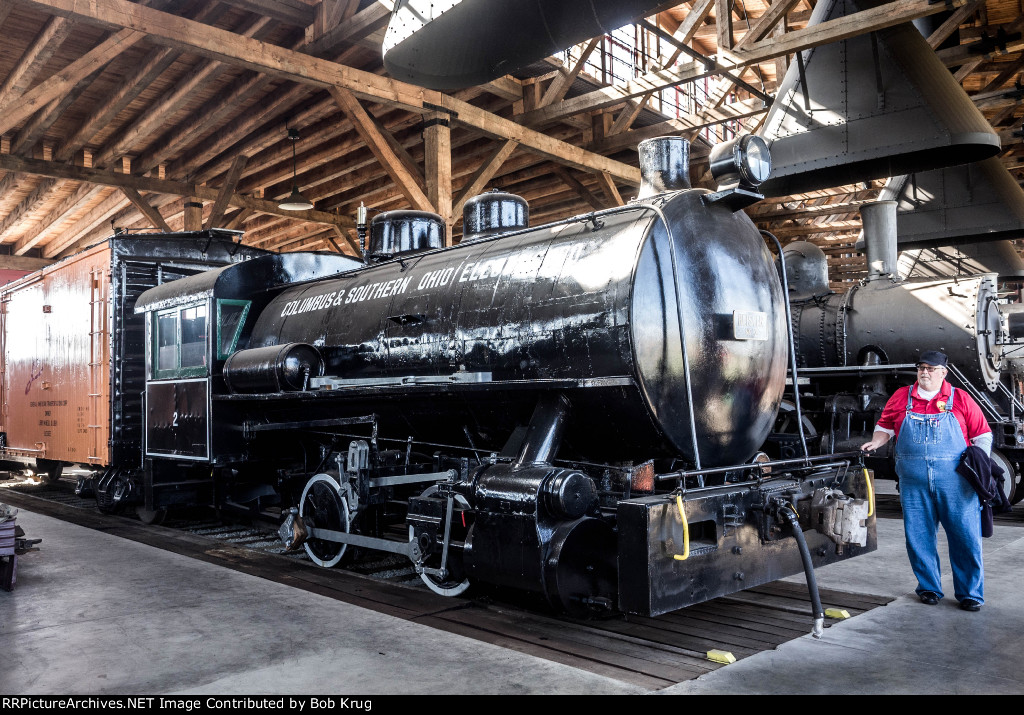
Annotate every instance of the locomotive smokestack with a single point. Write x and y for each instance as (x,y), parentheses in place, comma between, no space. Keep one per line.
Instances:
(879,221)
(664,165)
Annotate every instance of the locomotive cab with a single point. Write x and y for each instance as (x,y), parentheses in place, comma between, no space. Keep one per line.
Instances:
(193,326)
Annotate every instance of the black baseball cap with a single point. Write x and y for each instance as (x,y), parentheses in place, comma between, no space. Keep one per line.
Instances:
(932,357)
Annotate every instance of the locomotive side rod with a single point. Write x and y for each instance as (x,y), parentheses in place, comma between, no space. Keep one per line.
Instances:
(406,548)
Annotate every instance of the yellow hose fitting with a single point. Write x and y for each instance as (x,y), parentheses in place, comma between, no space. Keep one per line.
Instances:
(871,493)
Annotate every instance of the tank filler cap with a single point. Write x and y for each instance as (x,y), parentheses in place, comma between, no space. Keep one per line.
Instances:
(494,212)
(403,232)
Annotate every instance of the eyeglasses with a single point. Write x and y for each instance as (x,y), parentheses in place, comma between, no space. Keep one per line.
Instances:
(921,368)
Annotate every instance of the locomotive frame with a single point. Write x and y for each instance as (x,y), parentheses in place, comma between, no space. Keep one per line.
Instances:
(484,409)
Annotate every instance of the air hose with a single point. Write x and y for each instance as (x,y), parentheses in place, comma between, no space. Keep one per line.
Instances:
(786,510)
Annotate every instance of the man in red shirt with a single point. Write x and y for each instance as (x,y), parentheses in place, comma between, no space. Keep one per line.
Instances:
(932,424)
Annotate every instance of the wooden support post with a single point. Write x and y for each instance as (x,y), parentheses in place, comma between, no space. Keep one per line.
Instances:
(193,215)
(437,167)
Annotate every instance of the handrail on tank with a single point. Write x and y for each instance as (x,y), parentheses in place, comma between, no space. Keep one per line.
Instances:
(792,345)
(824,460)
(682,335)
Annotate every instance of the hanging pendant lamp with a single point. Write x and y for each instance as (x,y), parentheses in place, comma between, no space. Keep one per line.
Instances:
(295,200)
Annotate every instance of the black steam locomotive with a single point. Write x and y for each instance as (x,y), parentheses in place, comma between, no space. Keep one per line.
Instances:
(855,348)
(573,409)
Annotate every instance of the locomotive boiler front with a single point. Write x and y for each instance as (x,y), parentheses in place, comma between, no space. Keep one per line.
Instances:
(600,307)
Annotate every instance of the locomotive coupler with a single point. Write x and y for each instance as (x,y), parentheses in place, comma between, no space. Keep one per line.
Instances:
(842,519)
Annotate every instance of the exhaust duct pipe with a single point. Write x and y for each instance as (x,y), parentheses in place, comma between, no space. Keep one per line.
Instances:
(879,221)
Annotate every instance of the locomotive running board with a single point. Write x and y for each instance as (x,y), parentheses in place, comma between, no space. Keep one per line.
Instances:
(442,384)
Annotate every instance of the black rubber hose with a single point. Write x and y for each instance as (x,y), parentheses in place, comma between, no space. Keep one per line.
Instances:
(812,584)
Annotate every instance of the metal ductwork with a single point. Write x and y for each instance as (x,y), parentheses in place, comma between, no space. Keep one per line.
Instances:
(999,257)
(956,205)
(454,44)
(869,107)
(879,221)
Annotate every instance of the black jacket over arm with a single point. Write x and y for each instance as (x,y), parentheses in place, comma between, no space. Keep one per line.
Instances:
(987,479)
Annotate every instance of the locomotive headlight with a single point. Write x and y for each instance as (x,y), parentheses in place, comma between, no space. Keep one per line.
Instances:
(745,161)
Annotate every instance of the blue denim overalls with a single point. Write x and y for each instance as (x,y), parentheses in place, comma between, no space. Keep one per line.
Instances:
(927,453)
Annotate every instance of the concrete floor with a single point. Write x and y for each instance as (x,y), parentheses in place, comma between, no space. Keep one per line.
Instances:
(94,614)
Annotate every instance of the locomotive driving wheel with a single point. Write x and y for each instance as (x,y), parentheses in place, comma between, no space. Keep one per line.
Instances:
(1011,487)
(324,506)
(455,582)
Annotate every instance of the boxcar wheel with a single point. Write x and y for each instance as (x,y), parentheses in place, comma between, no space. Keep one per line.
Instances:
(323,506)
(50,469)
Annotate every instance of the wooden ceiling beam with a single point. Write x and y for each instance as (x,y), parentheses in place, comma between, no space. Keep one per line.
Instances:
(35,57)
(277,61)
(363,23)
(69,241)
(859,23)
(406,177)
(290,12)
(226,190)
(563,81)
(23,211)
(765,23)
(237,138)
(685,123)
(482,175)
(607,185)
(37,125)
(42,94)
(148,211)
(143,183)
(577,186)
(54,220)
(23,263)
(150,68)
(131,139)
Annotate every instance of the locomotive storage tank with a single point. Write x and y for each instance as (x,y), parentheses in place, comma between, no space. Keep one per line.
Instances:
(592,302)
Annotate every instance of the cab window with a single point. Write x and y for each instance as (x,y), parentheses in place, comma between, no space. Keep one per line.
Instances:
(180,342)
(230,319)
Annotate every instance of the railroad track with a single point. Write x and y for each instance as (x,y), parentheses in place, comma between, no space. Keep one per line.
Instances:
(650,652)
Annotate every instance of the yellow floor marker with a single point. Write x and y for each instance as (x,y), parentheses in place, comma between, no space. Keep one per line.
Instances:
(721,656)
(837,613)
